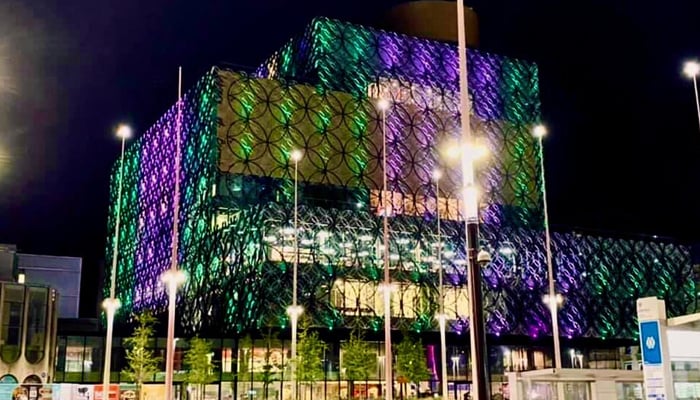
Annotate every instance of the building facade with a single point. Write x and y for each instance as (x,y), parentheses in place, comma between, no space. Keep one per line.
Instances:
(319,94)
(28,333)
(58,272)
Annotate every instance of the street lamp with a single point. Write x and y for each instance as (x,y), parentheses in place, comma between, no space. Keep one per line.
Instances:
(172,277)
(172,280)
(295,310)
(477,334)
(383,105)
(552,299)
(691,69)
(442,318)
(111,304)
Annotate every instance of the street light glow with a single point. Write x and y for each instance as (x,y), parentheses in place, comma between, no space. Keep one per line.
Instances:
(296,155)
(691,69)
(539,131)
(453,150)
(111,304)
(383,104)
(554,301)
(173,277)
(295,311)
(437,174)
(124,131)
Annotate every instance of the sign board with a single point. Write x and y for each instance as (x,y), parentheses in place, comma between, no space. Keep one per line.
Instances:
(650,342)
(113,392)
(658,383)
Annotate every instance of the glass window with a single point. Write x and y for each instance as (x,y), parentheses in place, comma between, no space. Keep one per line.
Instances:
(352,297)
(60,368)
(456,301)
(74,354)
(92,359)
(12,313)
(36,324)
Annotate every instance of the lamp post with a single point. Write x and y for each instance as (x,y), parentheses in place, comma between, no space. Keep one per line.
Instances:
(477,334)
(442,318)
(173,277)
(553,299)
(295,310)
(691,69)
(111,304)
(383,105)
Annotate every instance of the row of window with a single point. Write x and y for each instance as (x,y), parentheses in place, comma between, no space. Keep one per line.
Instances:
(246,190)
(18,300)
(80,359)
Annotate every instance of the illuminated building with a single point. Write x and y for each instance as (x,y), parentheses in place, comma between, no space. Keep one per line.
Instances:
(319,94)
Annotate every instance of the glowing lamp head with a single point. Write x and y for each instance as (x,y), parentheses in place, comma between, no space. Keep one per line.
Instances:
(295,311)
(173,278)
(383,104)
(477,151)
(437,174)
(691,69)
(124,131)
(539,131)
(111,304)
(296,155)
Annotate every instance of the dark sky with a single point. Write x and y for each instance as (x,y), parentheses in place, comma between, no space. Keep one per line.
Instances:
(623,154)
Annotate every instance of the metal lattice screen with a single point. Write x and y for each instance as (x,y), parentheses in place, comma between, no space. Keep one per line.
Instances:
(239,131)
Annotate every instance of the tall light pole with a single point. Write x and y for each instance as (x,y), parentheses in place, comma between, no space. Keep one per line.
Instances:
(442,318)
(477,333)
(691,69)
(295,310)
(553,300)
(111,304)
(383,105)
(173,278)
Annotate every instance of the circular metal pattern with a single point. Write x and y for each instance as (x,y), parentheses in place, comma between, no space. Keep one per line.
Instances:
(238,132)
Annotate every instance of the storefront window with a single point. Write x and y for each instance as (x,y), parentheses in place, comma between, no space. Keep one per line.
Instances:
(74,361)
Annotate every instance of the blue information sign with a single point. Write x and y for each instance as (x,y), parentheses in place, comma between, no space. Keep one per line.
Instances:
(650,341)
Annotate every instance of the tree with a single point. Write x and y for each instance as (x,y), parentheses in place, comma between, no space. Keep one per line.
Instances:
(200,368)
(359,360)
(268,369)
(142,363)
(309,362)
(244,361)
(411,364)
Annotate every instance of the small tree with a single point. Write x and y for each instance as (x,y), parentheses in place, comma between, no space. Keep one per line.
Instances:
(411,364)
(142,363)
(309,362)
(268,373)
(359,361)
(200,368)
(244,361)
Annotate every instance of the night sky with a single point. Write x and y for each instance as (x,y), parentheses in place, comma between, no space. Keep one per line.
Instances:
(622,155)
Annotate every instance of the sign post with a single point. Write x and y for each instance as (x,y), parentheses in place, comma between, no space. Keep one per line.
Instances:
(658,380)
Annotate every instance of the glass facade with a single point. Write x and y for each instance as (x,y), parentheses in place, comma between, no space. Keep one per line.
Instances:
(258,368)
